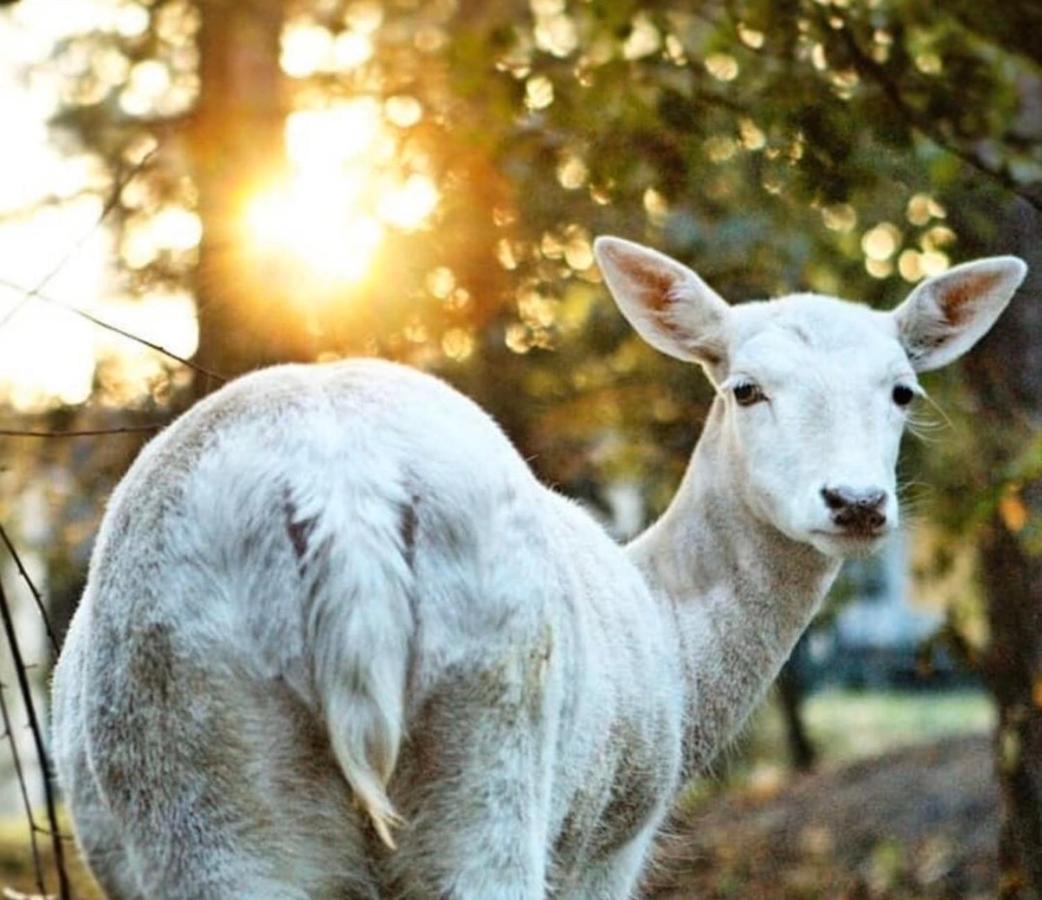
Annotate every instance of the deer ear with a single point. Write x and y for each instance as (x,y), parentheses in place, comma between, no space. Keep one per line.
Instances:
(946,315)
(668,304)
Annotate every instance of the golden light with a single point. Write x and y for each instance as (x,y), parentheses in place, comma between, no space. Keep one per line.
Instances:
(441,281)
(578,251)
(539,92)
(48,356)
(722,66)
(922,208)
(880,242)
(330,137)
(572,172)
(879,268)
(165,318)
(937,237)
(176,228)
(457,343)
(348,186)
(409,205)
(328,217)
(308,48)
(818,58)
(556,34)
(934,262)
(841,217)
(909,264)
(751,37)
(643,40)
(305,49)
(131,20)
(172,228)
(752,136)
(720,147)
(315,226)
(403,110)
(365,16)
(656,206)
(507,254)
(149,81)
(45,359)
(351,49)
(675,51)
(929,63)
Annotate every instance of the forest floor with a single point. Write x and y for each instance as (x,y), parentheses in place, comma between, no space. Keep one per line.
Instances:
(916,822)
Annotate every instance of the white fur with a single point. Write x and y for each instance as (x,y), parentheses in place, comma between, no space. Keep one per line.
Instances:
(330,609)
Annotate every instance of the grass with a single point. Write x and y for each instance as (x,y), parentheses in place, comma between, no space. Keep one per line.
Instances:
(844,725)
(847,724)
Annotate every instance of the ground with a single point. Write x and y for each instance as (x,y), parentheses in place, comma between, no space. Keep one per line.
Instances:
(914,823)
(904,806)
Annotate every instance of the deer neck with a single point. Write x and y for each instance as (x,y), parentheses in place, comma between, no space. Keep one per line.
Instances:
(740,591)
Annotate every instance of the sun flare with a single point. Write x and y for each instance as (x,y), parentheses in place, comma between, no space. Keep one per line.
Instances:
(329,217)
(352,180)
(313,225)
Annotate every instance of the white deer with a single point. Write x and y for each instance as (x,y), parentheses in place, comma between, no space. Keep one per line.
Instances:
(338,642)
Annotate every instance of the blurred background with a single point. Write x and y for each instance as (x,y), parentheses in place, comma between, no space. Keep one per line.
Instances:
(190,189)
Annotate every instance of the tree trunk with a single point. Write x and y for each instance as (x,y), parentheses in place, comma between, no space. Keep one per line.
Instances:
(235,148)
(1013,582)
(802,753)
(1006,379)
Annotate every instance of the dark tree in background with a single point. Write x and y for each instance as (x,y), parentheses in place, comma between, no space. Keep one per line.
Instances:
(842,146)
(232,138)
(1006,386)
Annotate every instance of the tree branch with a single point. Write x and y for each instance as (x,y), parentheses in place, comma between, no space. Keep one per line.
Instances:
(41,750)
(85,432)
(115,329)
(32,589)
(877,73)
(109,205)
(23,789)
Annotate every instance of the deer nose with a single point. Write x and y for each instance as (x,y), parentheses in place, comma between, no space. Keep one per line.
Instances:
(856,509)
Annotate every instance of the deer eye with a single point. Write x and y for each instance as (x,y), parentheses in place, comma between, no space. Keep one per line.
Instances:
(903,395)
(748,393)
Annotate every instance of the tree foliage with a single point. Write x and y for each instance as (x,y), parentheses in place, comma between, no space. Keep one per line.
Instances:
(842,146)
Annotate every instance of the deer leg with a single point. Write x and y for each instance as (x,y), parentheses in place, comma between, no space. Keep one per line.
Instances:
(97,836)
(473,785)
(614,876)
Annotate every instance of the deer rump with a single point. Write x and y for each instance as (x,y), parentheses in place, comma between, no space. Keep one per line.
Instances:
(321,599)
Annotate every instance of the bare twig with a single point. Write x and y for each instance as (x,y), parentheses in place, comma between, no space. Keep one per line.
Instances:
(23,789)
(9,893)
(110,204)
(25,212)
(41,750)
(85,432)
(926,126)
(115,329)
(32,589)
(36,292)
(47,831)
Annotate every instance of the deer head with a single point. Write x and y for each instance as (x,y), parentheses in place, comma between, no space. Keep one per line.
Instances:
(815,391)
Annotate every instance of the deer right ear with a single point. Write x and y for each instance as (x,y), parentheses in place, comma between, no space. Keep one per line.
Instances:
(947,314)
(669,305)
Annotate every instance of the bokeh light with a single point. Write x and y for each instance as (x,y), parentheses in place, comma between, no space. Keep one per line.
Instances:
(328,218)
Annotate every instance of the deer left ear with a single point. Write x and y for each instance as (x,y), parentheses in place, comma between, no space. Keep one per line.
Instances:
(669,305)
(946,315)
